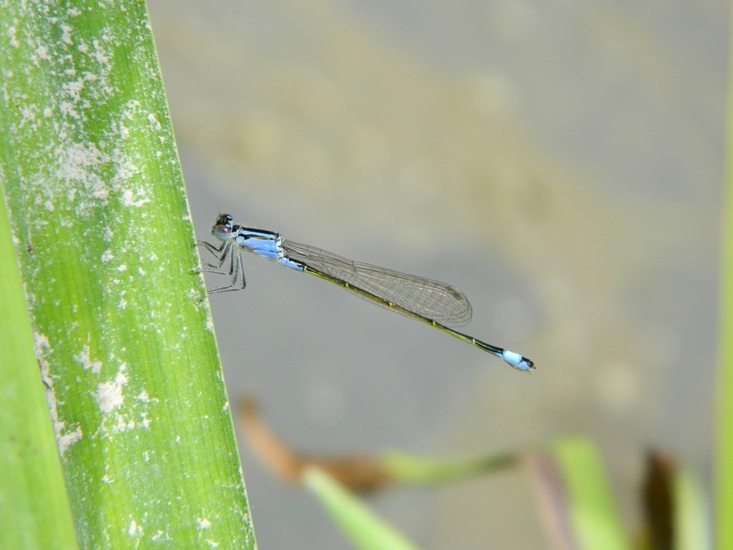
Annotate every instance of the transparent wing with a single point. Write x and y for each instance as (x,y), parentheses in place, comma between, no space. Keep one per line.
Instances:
(431,299)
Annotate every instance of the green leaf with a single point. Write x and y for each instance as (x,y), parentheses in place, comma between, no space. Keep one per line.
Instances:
(724,458)
(595,523)
(408,468)
(692,519)
(100,221)
(34,510)
(358,522)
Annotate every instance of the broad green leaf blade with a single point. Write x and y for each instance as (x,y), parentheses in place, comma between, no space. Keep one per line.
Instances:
(692,520)
(595,522)
(724,413)
(357,521)
(34,509)
(99,216)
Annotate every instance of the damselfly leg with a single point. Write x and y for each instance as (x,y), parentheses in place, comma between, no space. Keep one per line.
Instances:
(228,251)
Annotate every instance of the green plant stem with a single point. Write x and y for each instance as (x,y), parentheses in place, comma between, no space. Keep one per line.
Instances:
(362,526)
(724,432)
(595,523)
(101,227)
(409,468)
(692,521)
(34,509)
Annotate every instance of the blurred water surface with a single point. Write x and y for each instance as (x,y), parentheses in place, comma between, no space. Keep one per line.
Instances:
(559,162)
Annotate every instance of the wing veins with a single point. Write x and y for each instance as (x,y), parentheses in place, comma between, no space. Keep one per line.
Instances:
(431,299)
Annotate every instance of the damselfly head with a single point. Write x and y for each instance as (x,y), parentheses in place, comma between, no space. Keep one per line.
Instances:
(222,229)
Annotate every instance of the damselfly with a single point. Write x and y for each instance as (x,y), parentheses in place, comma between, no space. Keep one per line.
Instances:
(432,302)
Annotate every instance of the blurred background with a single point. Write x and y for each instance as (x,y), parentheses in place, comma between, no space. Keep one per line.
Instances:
(560,162)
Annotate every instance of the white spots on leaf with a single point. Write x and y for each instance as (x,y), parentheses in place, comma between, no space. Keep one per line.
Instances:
(28,113)
(74,97)
(101,193)
(107,256)
(109,394)
(42,52)
(106,479)
(123,267)
(129,199)
(99,54)
(78,163)
(40,345)
(68,109)
(159,535)
(74,89)
(154,121)
(64,439)
(48,112)
(121,377)
(212,543)
(11,35)
(135,530)
(141,271)
(40,342)
(49,206)
(66,34)
(203,523)
(85,163)
(85,359)
(123,425)
(122,415)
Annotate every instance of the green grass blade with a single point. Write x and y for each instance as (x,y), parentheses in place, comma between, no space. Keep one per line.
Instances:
(409,468)
(692,519)
(355,519)
(99,216)
(34,509)
(724,413)
(595,522)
